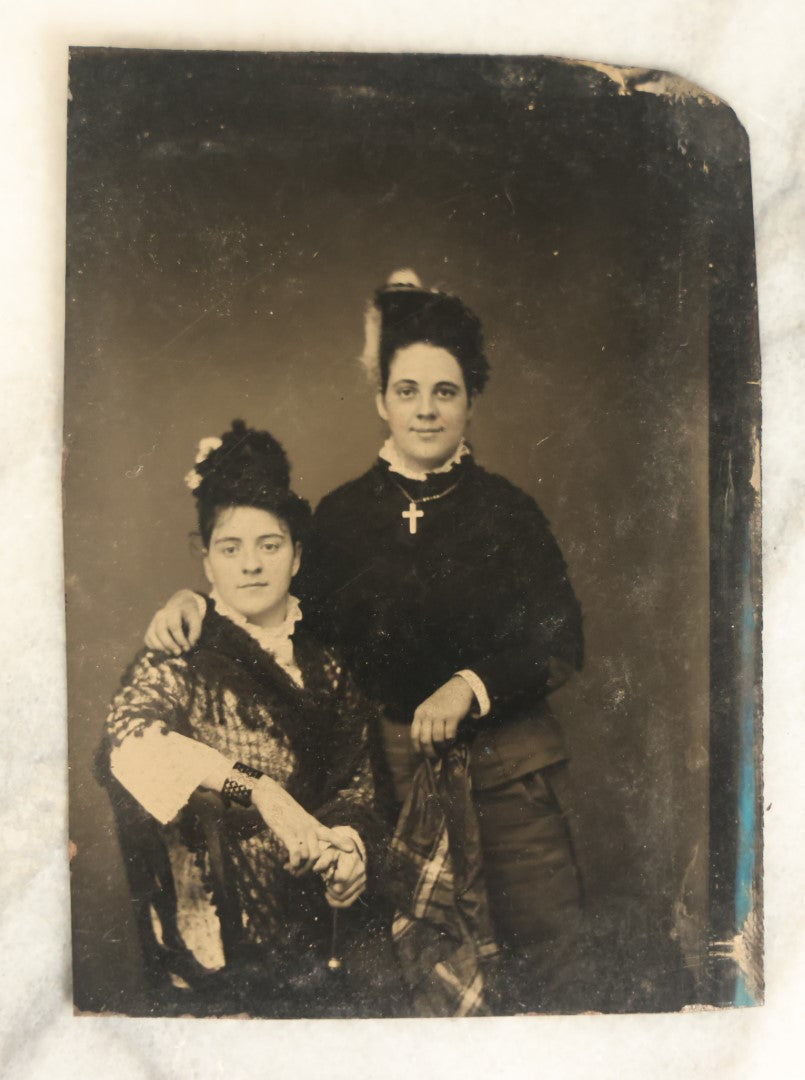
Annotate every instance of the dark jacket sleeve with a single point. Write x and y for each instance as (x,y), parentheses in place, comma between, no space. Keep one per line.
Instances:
(537,630)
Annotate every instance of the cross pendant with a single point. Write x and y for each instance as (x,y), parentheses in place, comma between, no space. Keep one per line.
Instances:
(412,514)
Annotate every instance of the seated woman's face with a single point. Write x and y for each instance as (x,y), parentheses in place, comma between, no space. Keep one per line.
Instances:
(425,404)
(250,562)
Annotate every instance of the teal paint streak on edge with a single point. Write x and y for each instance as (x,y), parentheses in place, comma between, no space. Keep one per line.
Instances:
(747,789)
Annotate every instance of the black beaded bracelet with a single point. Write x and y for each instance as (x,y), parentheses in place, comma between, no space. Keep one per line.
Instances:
(239,785)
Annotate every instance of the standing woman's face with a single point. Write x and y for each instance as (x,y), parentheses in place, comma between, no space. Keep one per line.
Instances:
(425,404)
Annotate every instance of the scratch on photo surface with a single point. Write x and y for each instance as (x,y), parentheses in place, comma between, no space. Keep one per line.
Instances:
(210,310)
(132,473)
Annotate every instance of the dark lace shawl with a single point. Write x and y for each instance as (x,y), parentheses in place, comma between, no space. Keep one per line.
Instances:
(325,723)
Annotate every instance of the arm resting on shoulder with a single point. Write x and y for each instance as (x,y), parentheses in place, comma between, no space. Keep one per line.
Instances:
(176,627)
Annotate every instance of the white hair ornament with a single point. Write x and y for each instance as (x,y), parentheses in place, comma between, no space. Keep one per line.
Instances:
(203,451)
(372,324)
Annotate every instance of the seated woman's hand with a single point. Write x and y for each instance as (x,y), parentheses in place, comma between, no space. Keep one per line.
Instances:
(343,869)
(176,627)
(303,836)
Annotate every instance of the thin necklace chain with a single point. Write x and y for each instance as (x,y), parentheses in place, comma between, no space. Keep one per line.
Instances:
(426,498)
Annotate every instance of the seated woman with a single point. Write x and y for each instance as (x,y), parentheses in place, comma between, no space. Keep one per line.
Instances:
(239,770)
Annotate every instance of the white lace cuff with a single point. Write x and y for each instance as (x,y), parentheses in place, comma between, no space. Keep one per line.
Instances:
(163,770)
(483,704)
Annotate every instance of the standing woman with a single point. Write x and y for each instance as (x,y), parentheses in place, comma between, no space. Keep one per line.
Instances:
(447,593)
(449,598)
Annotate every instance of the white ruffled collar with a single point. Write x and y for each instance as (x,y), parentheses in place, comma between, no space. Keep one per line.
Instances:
(390,454)
(276,640)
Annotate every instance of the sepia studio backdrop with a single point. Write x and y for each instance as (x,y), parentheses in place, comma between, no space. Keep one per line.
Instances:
(228,218)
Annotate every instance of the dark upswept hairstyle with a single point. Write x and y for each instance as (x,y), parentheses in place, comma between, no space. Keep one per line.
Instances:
(409,313)
(249,468)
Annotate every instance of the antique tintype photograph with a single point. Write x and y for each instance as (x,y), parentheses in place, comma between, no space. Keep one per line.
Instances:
(411,493)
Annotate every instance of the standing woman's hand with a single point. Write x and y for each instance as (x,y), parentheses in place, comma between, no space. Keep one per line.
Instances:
(177,626)
(436,720)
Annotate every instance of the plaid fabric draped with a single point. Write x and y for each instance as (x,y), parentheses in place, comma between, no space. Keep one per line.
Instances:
(442,928)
